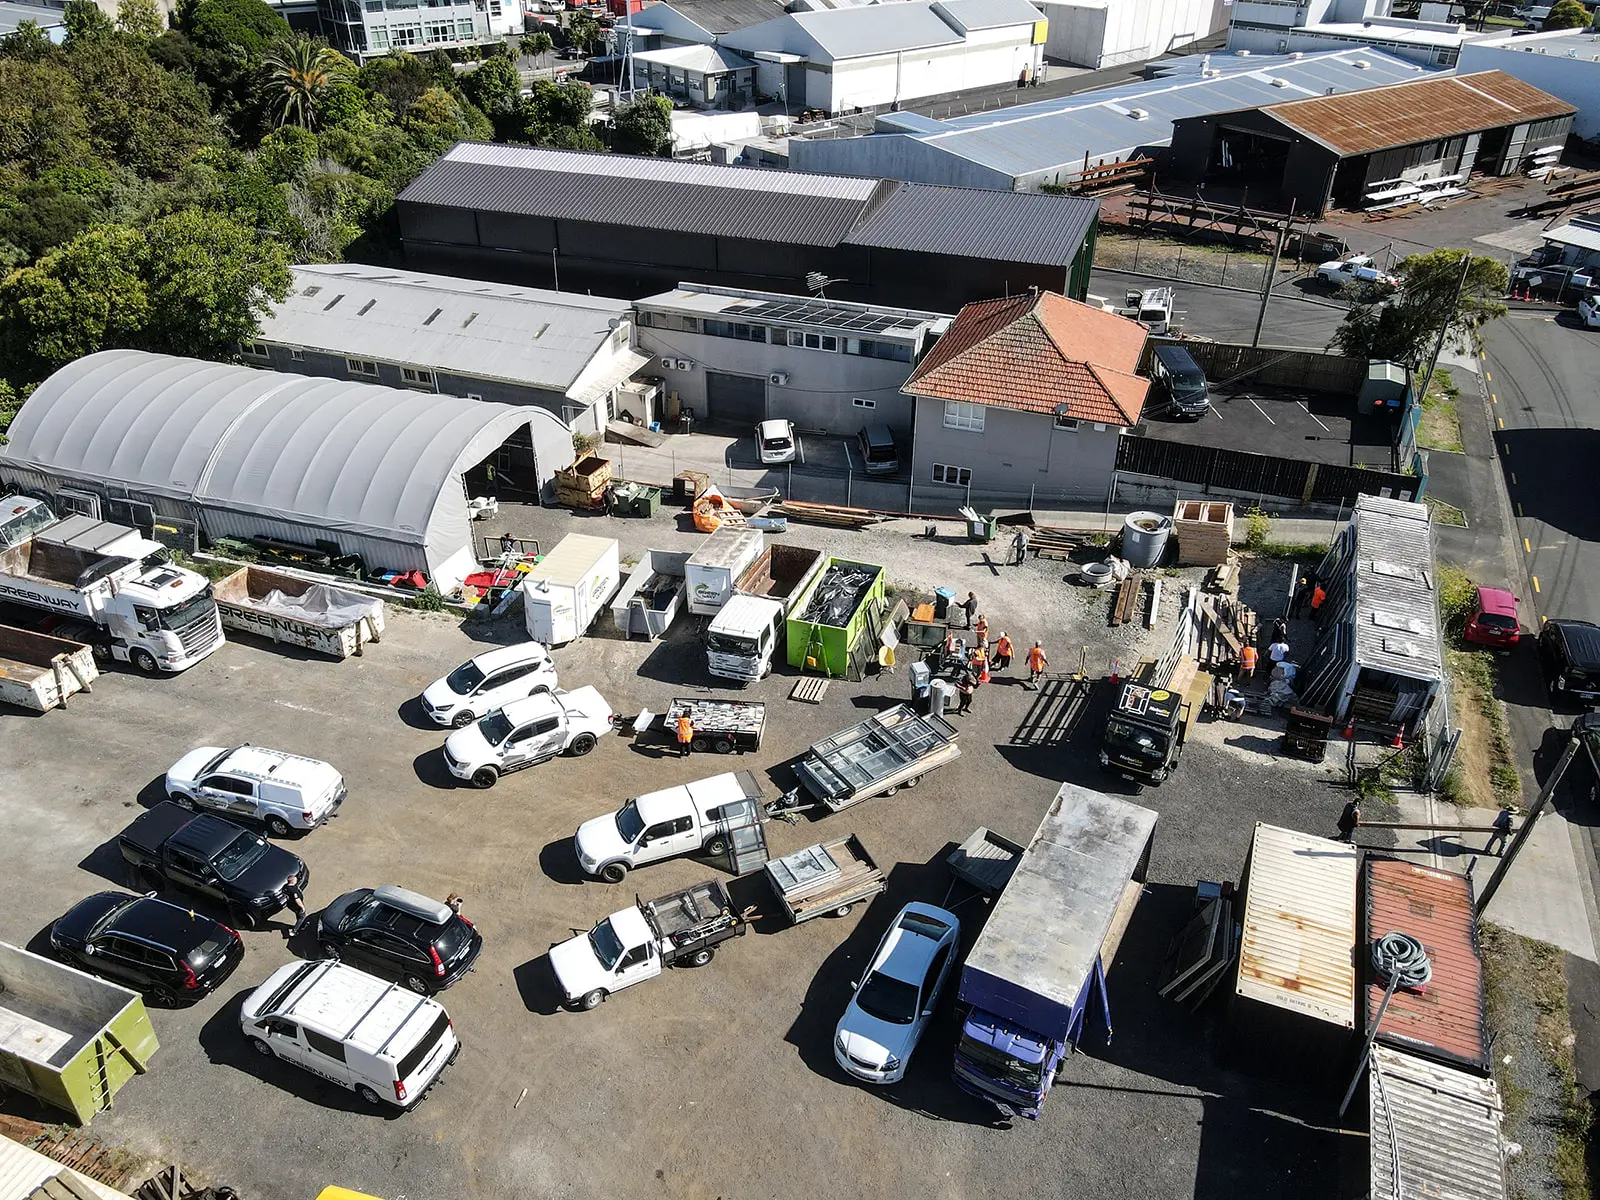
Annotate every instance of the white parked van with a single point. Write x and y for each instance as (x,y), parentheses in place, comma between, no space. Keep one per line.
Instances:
(282,791)
(386,1044)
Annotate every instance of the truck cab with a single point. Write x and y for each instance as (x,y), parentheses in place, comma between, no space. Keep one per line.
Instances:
(660,825)
(743,637)
(1145,733)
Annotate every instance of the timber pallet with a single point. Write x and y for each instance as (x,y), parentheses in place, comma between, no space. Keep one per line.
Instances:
(829,514)
(1048,541)
(809,691)
(1126,606)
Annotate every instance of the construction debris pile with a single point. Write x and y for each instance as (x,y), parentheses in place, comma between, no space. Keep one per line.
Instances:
(838,593)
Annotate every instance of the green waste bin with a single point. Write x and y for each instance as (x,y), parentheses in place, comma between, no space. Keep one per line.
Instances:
(646,502)
(982,528)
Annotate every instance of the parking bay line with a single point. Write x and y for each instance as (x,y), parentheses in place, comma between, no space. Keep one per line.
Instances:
(1260,410)
(1313,416)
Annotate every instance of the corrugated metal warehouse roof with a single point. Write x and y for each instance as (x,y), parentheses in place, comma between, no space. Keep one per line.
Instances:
(749,203)
(875,29)
(1447,1018)
(1297,949)
(1423,110)
(649,193)
(1055,135)
(724,16)
(486,330)
(707,60)
(974,223)
(1397,603)
(1435,1131)
(988,14)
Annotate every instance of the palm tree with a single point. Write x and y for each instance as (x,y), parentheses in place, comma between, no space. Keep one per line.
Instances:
(298,71)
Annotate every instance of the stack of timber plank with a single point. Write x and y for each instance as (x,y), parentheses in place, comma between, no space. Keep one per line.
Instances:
(1204,529)
(836,515)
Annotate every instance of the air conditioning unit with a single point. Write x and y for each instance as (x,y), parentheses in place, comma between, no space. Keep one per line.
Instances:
(1138,114)
(683,364)
(779,379)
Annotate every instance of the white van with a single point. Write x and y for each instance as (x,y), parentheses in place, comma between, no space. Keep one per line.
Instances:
(386,1044)
(282,791)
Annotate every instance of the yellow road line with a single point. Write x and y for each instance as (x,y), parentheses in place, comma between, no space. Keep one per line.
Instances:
(1519,510)
(1502,421)
(1527,546)
(1488,376)
(1493,399)
(1536,583)
(1513,477)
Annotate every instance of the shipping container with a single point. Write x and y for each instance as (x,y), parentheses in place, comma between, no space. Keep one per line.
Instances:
(569,587)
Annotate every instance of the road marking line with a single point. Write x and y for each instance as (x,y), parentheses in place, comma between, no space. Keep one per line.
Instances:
(1493,399)
(1502,421)
(1481,354)
(1488,376)
(1536,583)
(1527,546)
(1519,509)
(1513,477)
(1260,410)
(1313,416)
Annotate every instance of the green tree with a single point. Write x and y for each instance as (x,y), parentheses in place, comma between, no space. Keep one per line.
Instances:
(539,45)
(210,281)
(643,126)
(438,121)
(493,87)
(298,73)
(39,215)
(85,22)
(286,154)
(584,30)
(399,78)
(86,296)
(250,26)
(342,102)
(27,43)
(1406,327)
(141,116)
(1567,14)
(42,122)
(140,19)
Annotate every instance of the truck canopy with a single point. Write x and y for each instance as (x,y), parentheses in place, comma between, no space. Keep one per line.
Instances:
(701,796)
(150,830)
(1032,963)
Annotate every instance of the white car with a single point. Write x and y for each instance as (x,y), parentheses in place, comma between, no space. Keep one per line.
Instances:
(526,732)
(480,685)
(776,442)
(1357,269)
(282,791)
(897,994)
(1589,312)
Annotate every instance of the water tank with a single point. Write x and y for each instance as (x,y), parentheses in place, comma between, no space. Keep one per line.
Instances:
(1144,538)
(941,696)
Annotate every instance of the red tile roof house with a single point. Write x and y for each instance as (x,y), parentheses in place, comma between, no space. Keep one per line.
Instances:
(1022,401)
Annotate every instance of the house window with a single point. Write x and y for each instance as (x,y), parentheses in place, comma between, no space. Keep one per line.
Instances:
(734,329)
(954,476)
(1067,423)
(860,403)
(814,341)
(440,31)
(254,349)
(416,378)
(297,355)
(867,348)
(464,30)
(361,366)
(406,35)
(958,414)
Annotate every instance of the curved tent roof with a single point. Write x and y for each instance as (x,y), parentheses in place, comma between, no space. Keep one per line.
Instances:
(343,456)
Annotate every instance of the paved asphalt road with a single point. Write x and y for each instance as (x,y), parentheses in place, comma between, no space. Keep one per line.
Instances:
(1297,316)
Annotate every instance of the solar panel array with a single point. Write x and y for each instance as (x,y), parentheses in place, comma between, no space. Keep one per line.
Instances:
(820,312)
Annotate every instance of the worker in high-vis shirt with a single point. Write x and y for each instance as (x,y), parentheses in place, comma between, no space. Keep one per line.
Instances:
(1247,662)
(1002,652)
(685,735)
(1037,662)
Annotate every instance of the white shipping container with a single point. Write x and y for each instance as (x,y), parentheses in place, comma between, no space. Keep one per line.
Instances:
(564,593)
(712,569)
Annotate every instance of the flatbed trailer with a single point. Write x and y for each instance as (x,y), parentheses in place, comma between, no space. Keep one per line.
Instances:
(689,923)
(877,757)
(721,726)
(830,877)
(985,860)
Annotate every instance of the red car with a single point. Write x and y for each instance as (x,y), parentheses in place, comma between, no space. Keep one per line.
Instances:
(1494,619)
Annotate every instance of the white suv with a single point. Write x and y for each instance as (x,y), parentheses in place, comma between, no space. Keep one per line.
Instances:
(493,679)
(283,791)
(776,442)
(526,732)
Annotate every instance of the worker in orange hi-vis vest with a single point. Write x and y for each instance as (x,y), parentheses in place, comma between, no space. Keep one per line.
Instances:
(1247,662)
(980,628)
(685,735)
(1037,662)
(1003,650)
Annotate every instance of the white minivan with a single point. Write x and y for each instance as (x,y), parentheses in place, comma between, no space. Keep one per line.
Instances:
(386,1044)
(282,791)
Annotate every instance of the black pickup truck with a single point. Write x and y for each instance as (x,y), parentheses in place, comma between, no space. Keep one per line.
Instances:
(238,869)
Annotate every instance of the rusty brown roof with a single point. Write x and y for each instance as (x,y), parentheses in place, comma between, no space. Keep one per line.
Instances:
(1446,1021)
(1422,110)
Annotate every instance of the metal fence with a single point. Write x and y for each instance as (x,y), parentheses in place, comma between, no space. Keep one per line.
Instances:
(1213,468)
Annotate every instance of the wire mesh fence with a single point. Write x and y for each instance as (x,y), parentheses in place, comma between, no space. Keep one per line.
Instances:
(1181,261)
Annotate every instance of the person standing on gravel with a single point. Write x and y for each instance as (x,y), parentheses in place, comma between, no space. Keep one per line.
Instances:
(970,604)
(1037,663)
(1002,651)
(1019,548)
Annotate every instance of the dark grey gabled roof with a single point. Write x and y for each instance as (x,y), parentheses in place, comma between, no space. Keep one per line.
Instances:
(649,193)
(975,223)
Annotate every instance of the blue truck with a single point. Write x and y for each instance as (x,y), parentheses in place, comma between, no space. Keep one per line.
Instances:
(1036,975)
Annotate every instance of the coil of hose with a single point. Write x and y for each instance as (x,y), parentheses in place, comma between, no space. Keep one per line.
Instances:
(1400,956)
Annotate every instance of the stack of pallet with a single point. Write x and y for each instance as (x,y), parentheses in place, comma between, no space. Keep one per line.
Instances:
(1051,541)
(1204,529)
(1125,606)
(829,514)
(583,484)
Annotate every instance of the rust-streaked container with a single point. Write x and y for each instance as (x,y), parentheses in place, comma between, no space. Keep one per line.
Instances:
(1446,1021)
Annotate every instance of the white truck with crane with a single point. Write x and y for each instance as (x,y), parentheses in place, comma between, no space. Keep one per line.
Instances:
(113,588)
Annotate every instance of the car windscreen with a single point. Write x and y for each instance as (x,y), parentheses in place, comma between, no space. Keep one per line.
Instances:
(888,999)
(495,728)
(1124,735)
(881,452)
(464,678)
(1011,1070)
(605,943)
(629,823)
(730,643)
(1152,316)
(112,914)
(425,1044)
(180,616)
(239,855)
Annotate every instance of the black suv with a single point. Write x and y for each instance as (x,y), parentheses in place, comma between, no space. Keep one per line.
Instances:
(1569,655)
(397,933)
(170,954)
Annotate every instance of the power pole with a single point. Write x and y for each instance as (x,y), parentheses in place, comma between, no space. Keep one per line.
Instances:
(1444,326)
(1272,274)
(1515,848)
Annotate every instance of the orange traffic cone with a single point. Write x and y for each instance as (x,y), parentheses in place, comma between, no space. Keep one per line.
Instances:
(1398,742)
(1116,668)
(1350,729)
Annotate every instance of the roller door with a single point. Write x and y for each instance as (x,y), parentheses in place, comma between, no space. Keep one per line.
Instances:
(736,399)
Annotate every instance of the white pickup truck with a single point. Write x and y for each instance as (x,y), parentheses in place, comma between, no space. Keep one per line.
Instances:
(1358,270)
(676,820)
(526,732)
(638,943)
